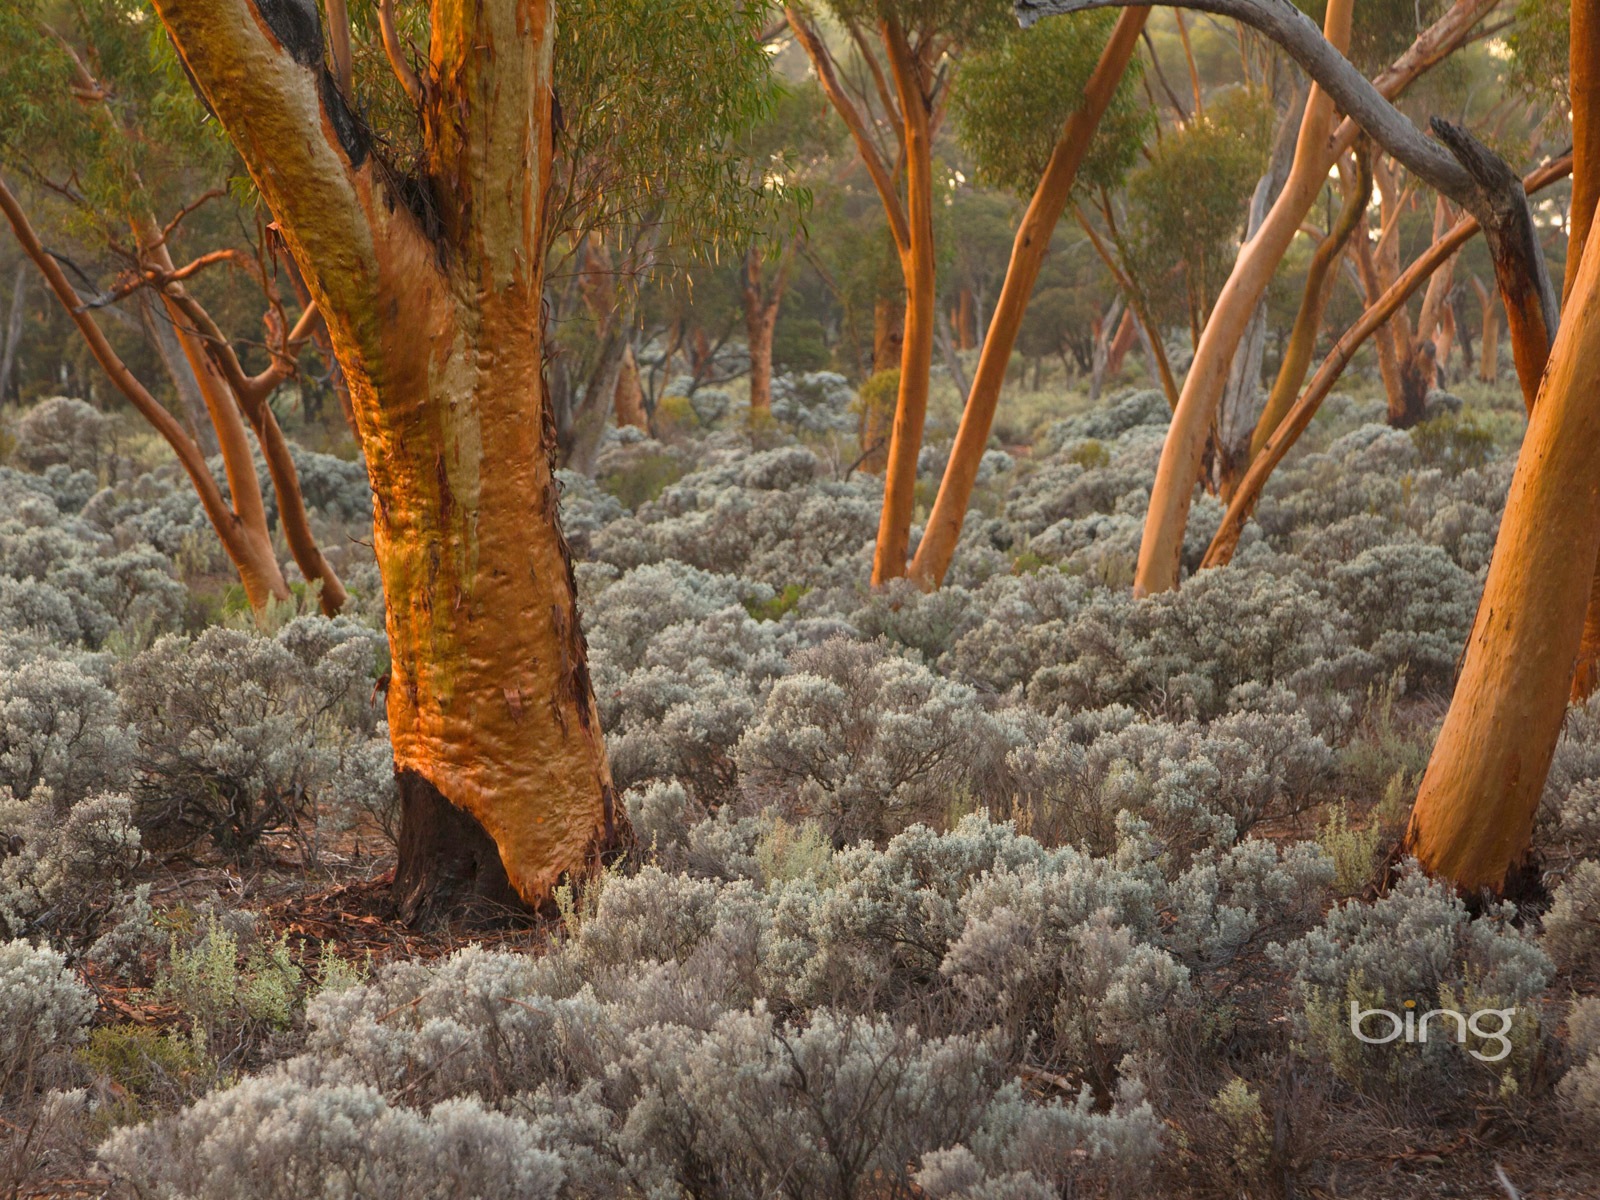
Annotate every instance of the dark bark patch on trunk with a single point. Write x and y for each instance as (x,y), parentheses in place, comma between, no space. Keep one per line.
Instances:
(449,867)
(347,127)
(297,26)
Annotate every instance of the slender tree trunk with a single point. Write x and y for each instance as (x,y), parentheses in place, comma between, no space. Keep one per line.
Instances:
(230,403)
(224,520)
(1474,814)
(966,321)
(761,304)
(490,701)
(1103,328)
(1049,201)
(258,566)
(1583,45)
(888,331)
(1183,452)
(1239,407)
(889,559)
(8,355)
(1121,342)
(1320,280)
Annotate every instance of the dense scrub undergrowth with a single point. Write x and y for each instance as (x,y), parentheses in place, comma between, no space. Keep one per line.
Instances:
(1016,889)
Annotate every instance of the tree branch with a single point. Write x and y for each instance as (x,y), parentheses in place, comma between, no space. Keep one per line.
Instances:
(822,61)
(1226,539)
(1458,165)
(395,52)
(151,409)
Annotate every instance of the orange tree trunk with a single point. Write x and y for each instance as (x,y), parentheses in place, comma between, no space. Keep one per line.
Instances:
(630,394)
(889,559)
(1474,814)
(1584,47)
(1370,324)
(496,737)
(1183,452)
(251,555)
(1489,350)
(1044,211)
(762,298)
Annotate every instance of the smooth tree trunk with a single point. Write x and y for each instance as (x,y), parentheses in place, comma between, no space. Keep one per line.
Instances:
(1239,408)
(1489,346)
(1585,69)
(763,296)
(890,554)
(1121,342)
(1100,361)
(439,329)
(1183,452)
(1049,201)
(257,567)
(163,340)
(1474,813)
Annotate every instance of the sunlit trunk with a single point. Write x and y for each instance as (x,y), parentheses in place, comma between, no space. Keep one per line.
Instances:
(1184,449)
(489,699)
(1474,814)
(1032,242)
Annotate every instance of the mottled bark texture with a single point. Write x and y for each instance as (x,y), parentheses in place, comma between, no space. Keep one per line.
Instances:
(433,310)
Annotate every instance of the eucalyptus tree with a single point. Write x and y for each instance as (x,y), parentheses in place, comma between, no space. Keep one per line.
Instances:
(657,168)
(407,154)
(893,104)
(1472,821)
(1321,142)
(1037,109)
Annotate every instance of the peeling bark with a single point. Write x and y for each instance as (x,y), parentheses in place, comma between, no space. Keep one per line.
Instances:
(438,329)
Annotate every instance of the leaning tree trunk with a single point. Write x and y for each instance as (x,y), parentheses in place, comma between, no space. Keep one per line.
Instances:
(1473,818)
(1320,280)
(1182,455)
(1584,48)
(490,706)
(1028,251)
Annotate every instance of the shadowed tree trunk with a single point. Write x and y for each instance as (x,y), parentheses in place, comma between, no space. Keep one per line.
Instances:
(438,328)
(8,354)
(762,299)
(1489,347)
